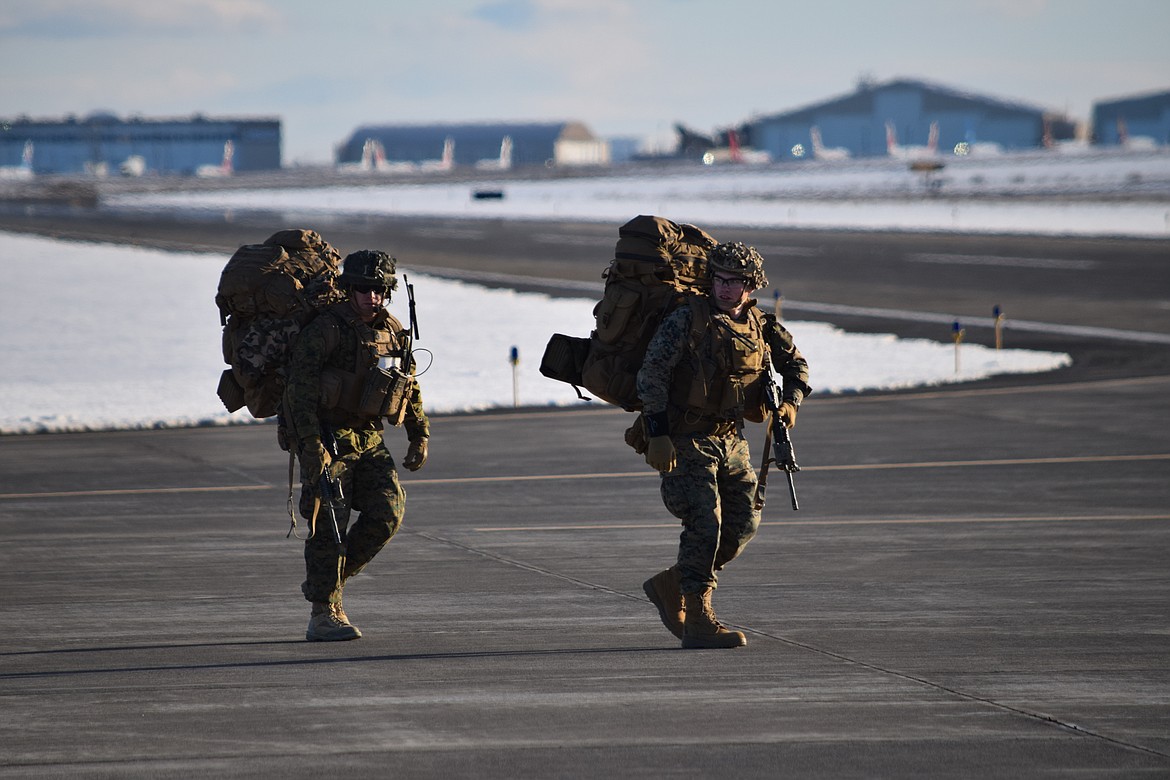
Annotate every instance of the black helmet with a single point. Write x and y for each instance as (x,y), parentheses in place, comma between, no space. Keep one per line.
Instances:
(369,268)
(740,259)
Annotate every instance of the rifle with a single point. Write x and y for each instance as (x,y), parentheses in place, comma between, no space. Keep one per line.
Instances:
(410,302)
(783,453)
(331,491)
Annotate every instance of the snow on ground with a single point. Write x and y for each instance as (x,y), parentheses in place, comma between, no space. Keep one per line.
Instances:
(1018,193)
(104,336)
(100,336)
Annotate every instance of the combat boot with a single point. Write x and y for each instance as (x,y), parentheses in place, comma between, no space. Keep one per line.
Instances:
(701,629)
(339,611)
(328,623)
(663,591)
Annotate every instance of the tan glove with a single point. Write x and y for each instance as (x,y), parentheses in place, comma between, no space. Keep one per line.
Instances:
(314,458)
(660,453)
(416,454)
(787,413)
(636,436)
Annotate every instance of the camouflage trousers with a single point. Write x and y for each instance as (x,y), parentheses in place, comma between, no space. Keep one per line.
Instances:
(711,491)
(370,483)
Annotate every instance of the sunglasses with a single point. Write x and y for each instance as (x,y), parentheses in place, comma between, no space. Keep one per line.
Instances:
(366,289)
(730,282)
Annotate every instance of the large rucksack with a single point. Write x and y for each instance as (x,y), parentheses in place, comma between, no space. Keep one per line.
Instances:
(267,293)
(656,263)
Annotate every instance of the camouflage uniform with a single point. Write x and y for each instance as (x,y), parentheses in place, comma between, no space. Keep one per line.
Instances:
(369,476)
(711,489)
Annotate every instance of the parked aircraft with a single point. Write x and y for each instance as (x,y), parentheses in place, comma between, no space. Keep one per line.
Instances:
(820,152)
(225,166)
(22,171)
(1133,143)
(736,154)
(1077,145)
(374,160)
(503,162)
(911,152)
(444,163)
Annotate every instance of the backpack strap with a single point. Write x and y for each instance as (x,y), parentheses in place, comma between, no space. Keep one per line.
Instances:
(700,322)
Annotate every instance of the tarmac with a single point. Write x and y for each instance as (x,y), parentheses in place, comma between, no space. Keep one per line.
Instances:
(975,585)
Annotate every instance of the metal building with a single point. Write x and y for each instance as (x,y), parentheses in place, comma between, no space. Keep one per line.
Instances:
(905,112)
(472,144)
(103,144)
(1137,121)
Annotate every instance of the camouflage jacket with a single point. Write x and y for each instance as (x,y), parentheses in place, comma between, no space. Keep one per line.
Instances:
(311,356)
(671,344)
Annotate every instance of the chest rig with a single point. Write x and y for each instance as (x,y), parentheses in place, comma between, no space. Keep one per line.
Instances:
(721,379)
(375,380)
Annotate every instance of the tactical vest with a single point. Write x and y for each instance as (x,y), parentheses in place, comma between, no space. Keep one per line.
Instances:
(722,378)
(379,383)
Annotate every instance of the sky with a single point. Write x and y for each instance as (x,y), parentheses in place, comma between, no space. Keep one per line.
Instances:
(623,67)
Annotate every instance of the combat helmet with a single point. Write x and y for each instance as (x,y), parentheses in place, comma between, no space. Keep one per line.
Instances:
(369,268)
(738,258)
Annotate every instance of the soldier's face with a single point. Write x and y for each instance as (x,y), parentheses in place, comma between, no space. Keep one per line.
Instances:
(366,301)
(730,292)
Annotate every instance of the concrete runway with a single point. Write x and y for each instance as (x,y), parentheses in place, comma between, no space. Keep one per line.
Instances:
(976,585)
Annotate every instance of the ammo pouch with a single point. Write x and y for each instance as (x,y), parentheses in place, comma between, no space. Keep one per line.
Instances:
(386,394)
(377,393)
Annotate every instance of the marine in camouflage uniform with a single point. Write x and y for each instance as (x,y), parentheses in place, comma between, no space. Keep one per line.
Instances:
(702,376)
(336,359)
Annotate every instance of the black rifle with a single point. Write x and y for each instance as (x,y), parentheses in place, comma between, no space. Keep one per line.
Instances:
(332,494)
(783,454)
(410,302)
(411,330)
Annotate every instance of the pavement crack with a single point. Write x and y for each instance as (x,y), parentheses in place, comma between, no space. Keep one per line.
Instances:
(1037,716)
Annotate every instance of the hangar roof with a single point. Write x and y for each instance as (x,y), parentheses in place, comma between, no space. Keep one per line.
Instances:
(935,98)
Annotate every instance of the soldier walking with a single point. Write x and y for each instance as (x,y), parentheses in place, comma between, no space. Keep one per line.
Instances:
(704,373)
(350,370)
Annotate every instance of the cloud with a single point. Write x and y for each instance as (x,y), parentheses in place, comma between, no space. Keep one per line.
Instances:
(79,19)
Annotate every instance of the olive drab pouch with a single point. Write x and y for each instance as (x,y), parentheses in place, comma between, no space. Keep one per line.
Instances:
(564,356)
(386,394)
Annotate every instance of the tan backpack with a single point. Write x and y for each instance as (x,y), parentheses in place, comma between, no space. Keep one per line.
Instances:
(656,263)
(267,293)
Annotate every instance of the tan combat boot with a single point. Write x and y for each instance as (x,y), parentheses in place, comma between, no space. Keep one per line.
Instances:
(662,590)
(328,623)
(701,629)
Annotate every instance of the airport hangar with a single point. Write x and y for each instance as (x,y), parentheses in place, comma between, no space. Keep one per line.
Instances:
(857,122)
(556,144)
(102,143)
(1128,118)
